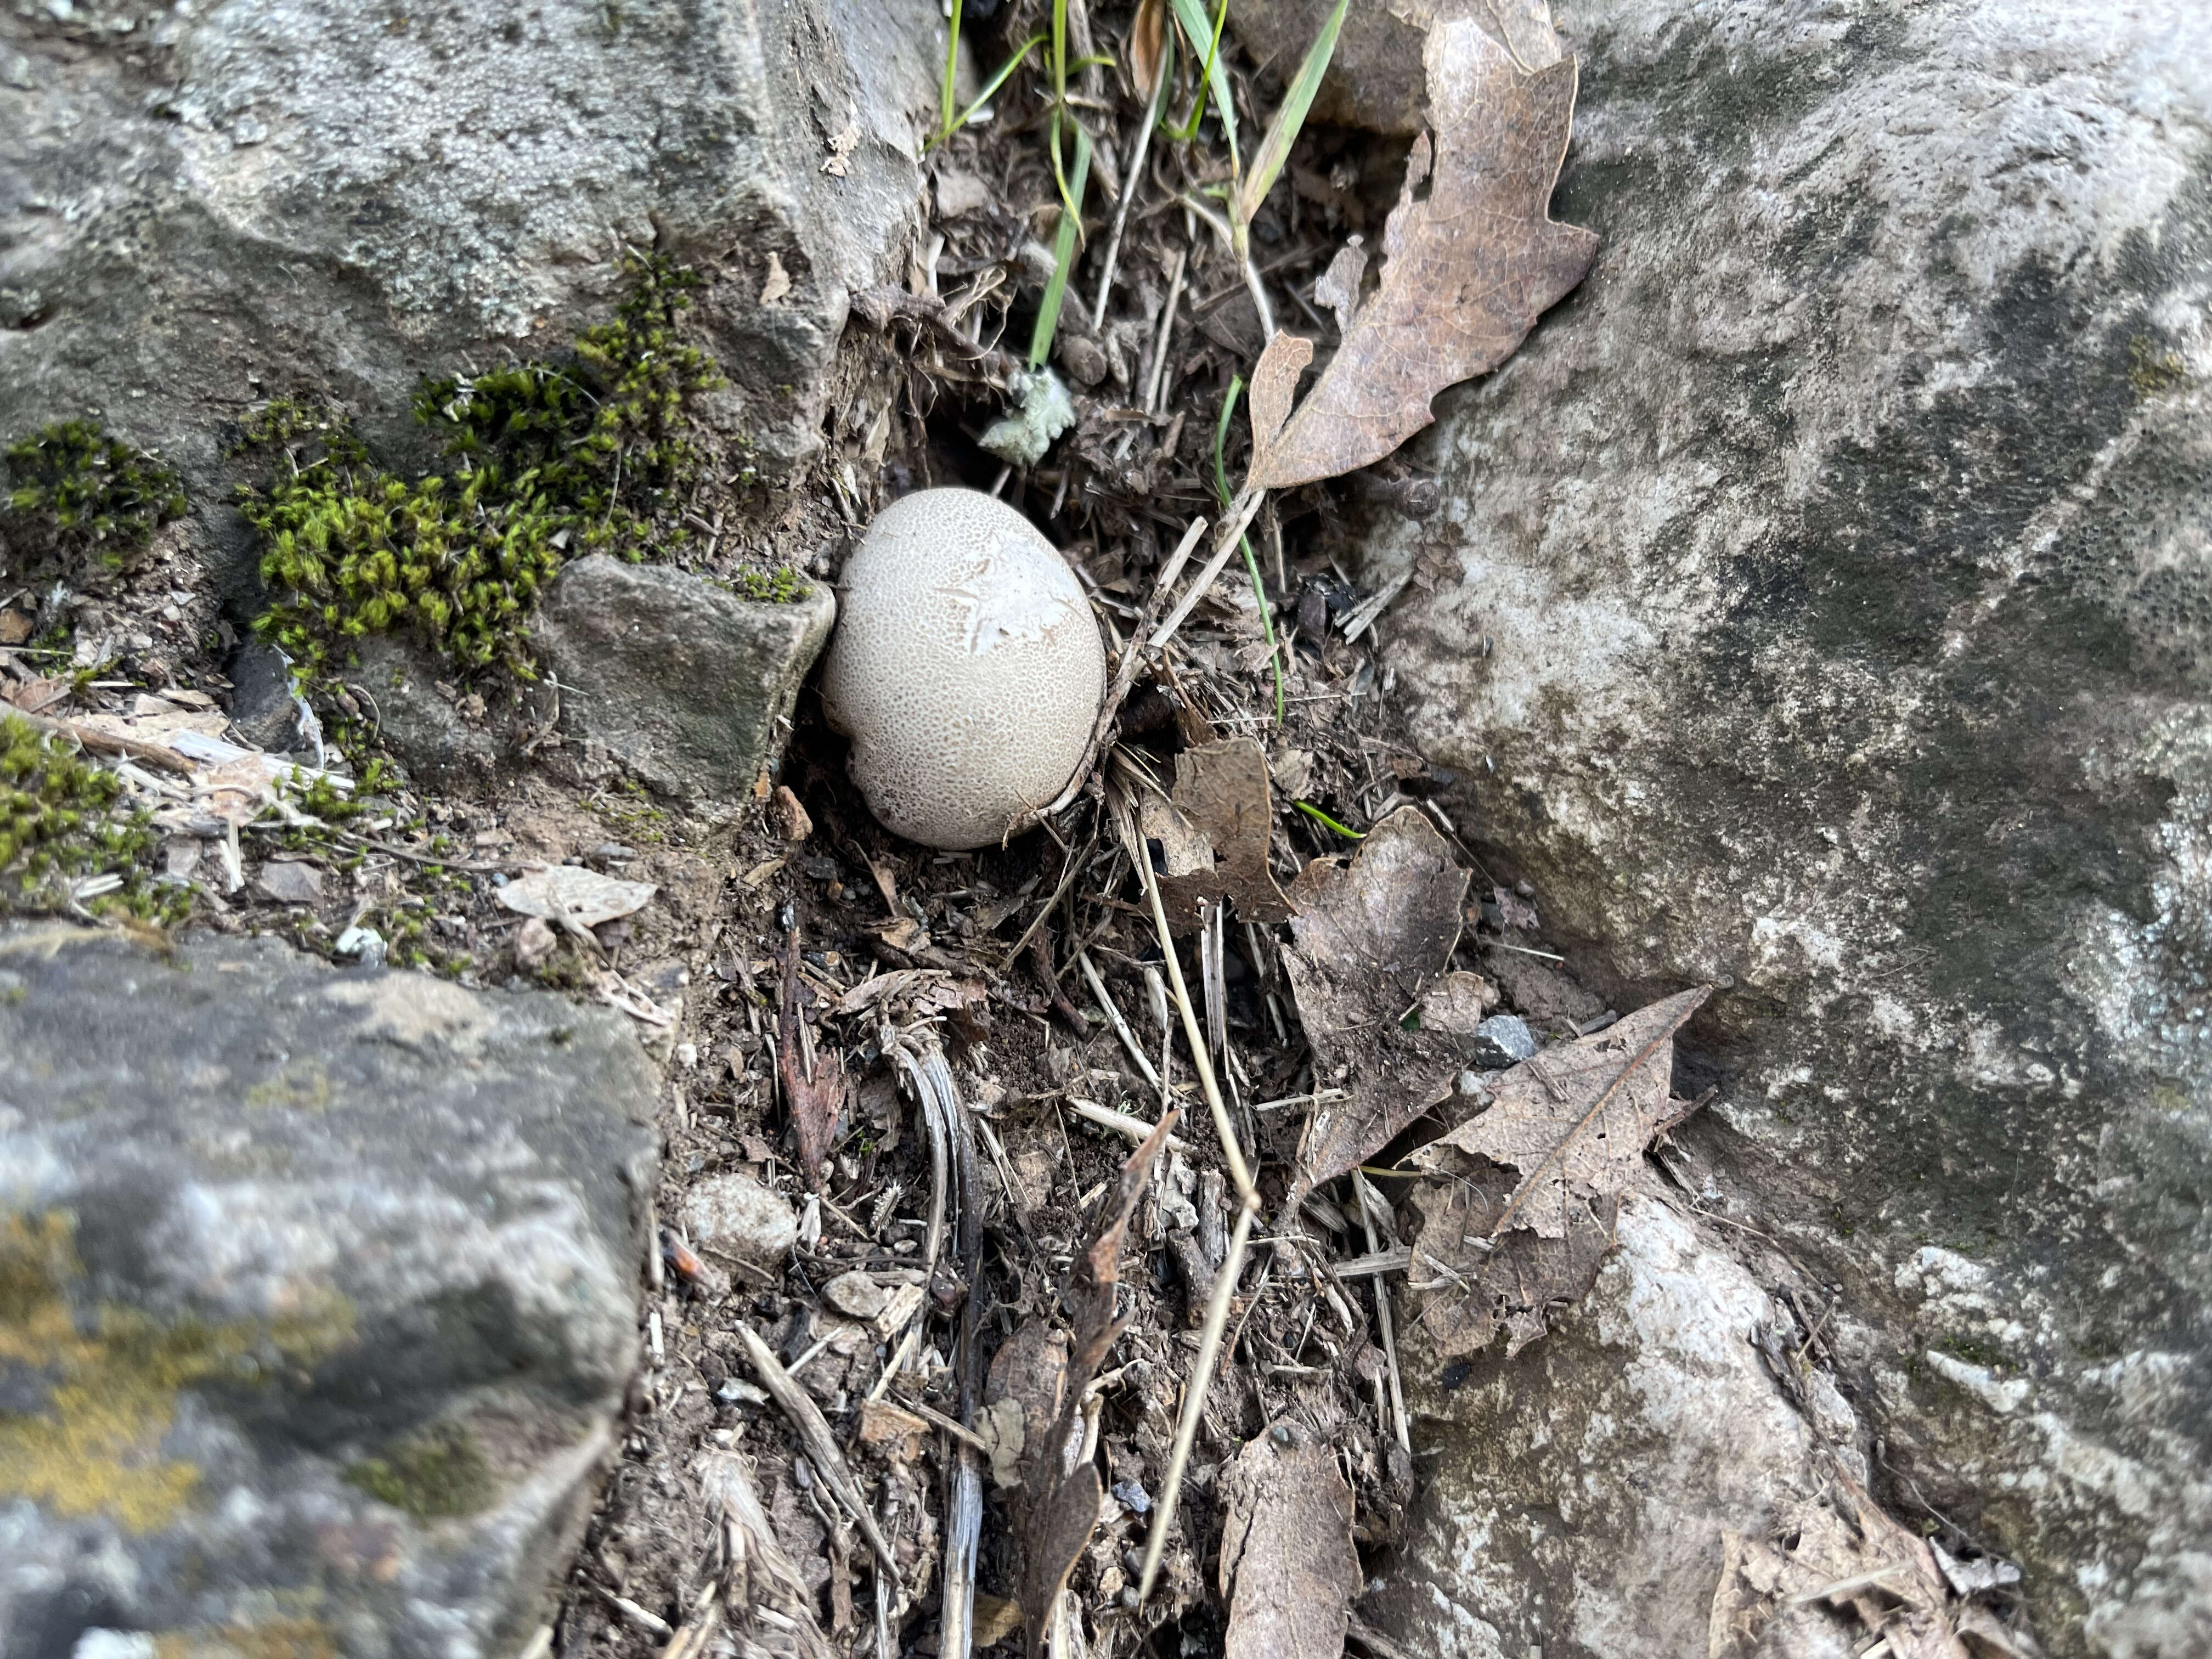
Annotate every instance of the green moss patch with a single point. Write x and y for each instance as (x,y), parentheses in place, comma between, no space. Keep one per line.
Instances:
(434,1474)
(542,463)
(83,501)
(62,825)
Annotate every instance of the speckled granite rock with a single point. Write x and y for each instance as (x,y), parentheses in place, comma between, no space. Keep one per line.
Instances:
(318,1296)
(1844,551)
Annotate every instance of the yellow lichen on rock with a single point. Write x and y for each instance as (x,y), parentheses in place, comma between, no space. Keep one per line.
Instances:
(96,1446)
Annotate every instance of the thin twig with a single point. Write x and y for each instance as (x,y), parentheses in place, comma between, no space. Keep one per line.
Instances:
(1194,1404)
(1121,1123)
(806,1417)
(1131,176)
(1366,1199)
(1113,1013)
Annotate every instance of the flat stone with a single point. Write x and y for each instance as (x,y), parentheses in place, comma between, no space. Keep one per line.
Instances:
(1825,613)
(290,882)
(737,1216)
(855,1295)
(325,1282)
(678,679)
(1502,1040)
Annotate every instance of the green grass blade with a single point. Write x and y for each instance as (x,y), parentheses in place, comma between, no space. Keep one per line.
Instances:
(1063,256)
(945,125)
(990,88)
(1251,561)
(1275,148)
(1191,15)
(1321,817)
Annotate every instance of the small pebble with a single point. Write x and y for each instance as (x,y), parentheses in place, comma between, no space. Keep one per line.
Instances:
(855,1295)
(1502,1040)
(735,1214)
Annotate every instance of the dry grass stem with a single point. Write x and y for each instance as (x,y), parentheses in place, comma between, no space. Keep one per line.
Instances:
(1113,1012)
(814,1432)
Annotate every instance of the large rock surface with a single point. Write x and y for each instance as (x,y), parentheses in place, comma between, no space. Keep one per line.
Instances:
(205,204)
(1581,1491)
(317,1297)
(1822,607)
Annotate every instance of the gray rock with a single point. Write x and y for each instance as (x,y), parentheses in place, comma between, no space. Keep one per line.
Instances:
(681,680)
(734,1215)
(290,882)
(1841,546)
(855,1295)
(204,206)
(1502,1040)
(321,1292)
(262,712)
(1582,1489)
(397,680)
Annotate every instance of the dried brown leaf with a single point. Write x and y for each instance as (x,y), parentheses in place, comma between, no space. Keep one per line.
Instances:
(1221,790)
(1520,1211)
(1274,387)
(1148,41)
(1467,269)
(1370,947)
(1470,1284)
(816,1101)
(1575,1119)
(1062,1490)
(1288,1568)
(571,893)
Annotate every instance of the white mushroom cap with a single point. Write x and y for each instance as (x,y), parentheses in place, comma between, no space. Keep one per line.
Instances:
(965,668)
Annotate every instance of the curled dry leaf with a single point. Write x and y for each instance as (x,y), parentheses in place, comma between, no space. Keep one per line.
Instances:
(1466,269)
(1369,952)
(1062,1490)
(1520,1211)
(1148,46)
(815,1099)
(570,893)
(1288,1568)
(1221,790)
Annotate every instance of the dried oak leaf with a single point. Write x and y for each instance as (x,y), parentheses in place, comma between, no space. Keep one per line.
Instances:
(1521,1212)
(1288,1568)
(1061,1489)
(1468,269)
(1370,947)
(1221,791)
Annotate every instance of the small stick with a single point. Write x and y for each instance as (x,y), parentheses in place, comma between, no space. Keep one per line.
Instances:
(908,1404)
(1152,386)
(1366,1198)
(105,743)
(1240,520)
(1114,1018)
(806,1417)
(652,1623)
(1132,177)
(1194,1405)
(1222,1127)
(1121,1123)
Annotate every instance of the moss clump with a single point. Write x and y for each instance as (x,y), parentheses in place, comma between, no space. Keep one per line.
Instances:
(782,586)
(544,463)
(60,826)
(87,500)
(436,1474)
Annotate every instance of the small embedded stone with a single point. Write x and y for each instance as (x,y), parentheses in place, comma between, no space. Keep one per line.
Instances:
(855,1295)
(737,1216)
(291,882)
(1502,1040)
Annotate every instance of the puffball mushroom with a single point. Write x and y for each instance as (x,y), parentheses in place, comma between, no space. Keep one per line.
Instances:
(966,668)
